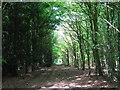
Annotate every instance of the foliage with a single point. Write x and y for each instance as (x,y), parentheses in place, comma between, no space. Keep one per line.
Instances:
(80,34)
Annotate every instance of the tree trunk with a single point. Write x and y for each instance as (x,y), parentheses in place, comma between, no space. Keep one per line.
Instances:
(96,51)
(68,58)
(119,48)
(82,56)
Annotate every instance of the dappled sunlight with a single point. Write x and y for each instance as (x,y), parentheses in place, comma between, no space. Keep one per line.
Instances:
(34,86)
(92,74)
(70,78)
(42,69)
(84,75)
(96,81)
(105,81)
(72,84)
(64,77)
(78,79)
(89,81)
(49,69)
(106,86)
(87,85)
(68,85)
(57,85)
(76,76)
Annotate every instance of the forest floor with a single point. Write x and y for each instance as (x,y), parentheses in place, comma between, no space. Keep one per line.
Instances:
(57,77)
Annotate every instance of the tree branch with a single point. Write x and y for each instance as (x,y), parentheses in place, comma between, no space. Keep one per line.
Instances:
(111,25)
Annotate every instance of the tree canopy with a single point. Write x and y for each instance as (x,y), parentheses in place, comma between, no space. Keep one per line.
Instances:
(79,34)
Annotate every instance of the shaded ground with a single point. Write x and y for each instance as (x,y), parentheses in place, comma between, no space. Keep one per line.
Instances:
(56,77)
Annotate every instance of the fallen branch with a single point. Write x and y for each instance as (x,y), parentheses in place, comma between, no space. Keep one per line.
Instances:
(112,25)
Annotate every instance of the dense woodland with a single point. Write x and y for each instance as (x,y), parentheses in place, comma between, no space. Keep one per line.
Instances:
(77,34)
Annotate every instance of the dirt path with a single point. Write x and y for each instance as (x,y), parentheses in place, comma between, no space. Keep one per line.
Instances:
(56,77)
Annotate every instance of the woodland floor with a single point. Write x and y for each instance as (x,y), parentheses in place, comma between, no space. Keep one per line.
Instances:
(57,77)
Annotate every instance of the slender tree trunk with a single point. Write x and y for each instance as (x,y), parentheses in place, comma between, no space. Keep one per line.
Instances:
(75,57)
(26,67)
(88,51)
(119,47)
(96,51)
(82,55)
(68,58)
(15,37)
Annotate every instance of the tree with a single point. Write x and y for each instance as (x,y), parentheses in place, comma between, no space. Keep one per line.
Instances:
(27,36)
